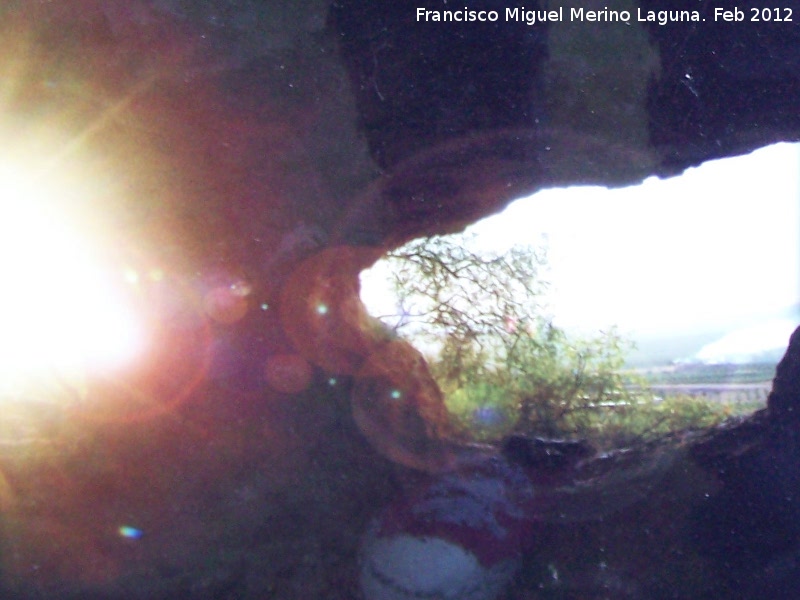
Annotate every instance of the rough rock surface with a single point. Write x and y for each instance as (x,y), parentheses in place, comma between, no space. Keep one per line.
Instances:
(236,147)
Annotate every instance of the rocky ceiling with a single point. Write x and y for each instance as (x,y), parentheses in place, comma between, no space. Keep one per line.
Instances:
(247,160)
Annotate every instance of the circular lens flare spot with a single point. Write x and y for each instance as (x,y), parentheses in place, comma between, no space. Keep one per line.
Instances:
(400,410)
(131,533)
(226,304)
(322,314)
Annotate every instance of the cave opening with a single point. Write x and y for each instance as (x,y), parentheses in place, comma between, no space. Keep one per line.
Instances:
(614,315)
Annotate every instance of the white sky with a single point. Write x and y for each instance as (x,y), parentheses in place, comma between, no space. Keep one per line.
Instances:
(717,246)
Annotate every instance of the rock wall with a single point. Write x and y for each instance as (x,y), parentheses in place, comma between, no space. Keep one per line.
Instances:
(249,159)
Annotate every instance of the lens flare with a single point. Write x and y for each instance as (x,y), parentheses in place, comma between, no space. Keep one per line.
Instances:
(131,533)
(227,304)
(399,408)
(61,309)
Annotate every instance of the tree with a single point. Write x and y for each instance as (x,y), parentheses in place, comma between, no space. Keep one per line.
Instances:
(493,349)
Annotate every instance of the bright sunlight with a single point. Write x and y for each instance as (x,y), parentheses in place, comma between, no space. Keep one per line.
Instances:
(61,313)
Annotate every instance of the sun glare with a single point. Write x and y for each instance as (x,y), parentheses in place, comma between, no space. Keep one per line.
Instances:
(61,311)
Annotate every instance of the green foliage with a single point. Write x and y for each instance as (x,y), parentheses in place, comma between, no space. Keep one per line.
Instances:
(652,418)
(505,367)
(496,354)
(483,411)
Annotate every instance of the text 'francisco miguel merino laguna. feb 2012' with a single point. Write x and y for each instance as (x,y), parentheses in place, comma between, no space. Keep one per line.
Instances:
(663,17)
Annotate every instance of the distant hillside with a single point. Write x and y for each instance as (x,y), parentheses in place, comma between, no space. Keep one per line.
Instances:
(652,351)
(699,373)
(764,342)
(760,339)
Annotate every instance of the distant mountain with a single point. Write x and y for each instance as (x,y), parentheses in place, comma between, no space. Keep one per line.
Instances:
(762,343)
(758,338)
(654,350)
